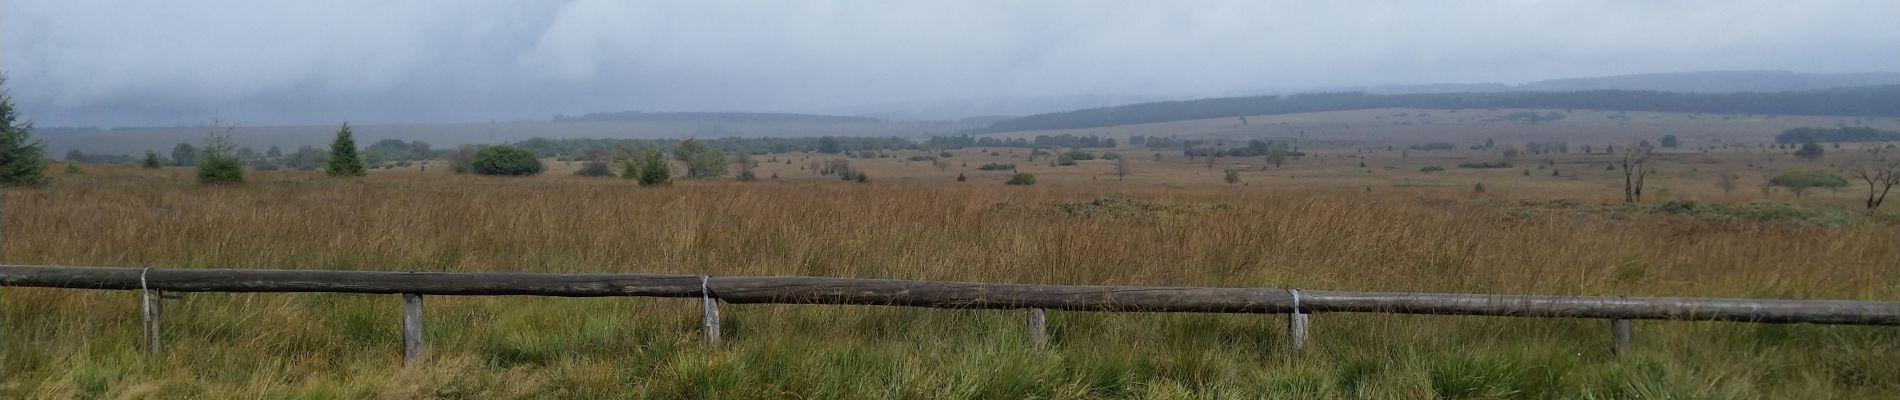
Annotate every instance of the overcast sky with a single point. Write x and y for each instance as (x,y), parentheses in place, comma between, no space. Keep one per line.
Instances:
(136,62)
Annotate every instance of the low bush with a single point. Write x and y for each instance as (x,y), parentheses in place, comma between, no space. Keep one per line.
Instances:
(1021,179)
(506,160)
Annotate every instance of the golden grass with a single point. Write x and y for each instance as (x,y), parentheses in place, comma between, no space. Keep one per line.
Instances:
(81,344)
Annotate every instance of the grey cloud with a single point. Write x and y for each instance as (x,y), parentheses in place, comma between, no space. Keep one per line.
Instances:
(83,62)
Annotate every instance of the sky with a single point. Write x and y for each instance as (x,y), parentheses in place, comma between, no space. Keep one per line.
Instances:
(265,62)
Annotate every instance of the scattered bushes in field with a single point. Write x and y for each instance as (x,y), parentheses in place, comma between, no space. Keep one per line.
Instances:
(506,160)
(1021,179)
(1486,165)
(595,169)
(1758,211)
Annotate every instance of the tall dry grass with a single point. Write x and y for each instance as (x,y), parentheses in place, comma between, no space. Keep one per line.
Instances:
(80,344)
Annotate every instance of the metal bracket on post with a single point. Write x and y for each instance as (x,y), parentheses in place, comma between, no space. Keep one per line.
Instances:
(1296,323)
(709,311)
(411,329)
(151,307)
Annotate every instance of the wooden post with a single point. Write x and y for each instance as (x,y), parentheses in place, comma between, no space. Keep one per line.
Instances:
(1038,328)
(709,319)
(1620,336)
(1296,330)
(411,329)
(152,306)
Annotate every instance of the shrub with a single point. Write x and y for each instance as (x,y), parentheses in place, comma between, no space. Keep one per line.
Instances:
(1232,177)
(217,163)
(1809,151)
(945,154)
(1431,168)
(595,168)
(73,168)
(1079,155)
(1486,165)
(1021,179)
(961,178)
(650,169)
(997,167)
(506,160)
(921,158)
(1799,182)
(151,160)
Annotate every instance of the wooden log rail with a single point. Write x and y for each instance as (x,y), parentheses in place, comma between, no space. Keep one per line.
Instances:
(953,295)
(153,283)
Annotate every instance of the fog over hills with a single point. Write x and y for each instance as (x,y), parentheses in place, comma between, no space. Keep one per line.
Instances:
(1688,82)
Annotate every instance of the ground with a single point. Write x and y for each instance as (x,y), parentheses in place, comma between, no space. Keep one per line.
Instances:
(1321,222)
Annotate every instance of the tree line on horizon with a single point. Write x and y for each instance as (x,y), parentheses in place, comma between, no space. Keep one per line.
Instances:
(1869,101)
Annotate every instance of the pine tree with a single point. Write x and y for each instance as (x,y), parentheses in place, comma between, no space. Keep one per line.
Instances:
(20,155)
(654,171)
(151,160)
(344,159)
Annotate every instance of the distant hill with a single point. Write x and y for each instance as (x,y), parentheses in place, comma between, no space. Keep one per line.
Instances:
(1866,101)
(955,109)
(746,117)
(1719,82)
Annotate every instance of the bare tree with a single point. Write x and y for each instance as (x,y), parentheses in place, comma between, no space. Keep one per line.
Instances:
(1767,183)
(1121,168)
(1727,181)
(1635,170)
(1880,176)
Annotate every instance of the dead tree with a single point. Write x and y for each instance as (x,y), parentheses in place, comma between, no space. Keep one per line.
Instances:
(1635,170)
(1880,176)
(1727,181)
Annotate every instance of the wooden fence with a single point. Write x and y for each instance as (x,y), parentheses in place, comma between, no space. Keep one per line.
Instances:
(412,286)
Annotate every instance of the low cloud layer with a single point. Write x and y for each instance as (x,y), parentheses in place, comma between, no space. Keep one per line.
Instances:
(117,63)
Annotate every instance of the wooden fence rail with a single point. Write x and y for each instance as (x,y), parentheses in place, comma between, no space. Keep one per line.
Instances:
(936,294)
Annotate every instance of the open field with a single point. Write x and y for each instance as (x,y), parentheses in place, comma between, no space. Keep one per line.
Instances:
(914,222)
(1377,128)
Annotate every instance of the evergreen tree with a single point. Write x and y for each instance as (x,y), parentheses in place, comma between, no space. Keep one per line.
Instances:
(20,155)
(653,169)
(218,164)
(151,160)
(344,158)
